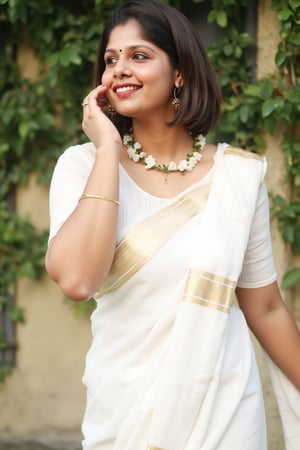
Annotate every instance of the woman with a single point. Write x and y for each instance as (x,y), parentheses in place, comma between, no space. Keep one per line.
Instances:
(164,230)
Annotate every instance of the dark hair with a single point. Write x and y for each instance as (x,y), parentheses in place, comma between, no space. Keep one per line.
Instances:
(170,30)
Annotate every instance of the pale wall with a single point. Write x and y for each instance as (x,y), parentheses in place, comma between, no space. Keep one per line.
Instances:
(267,45)
(44,394)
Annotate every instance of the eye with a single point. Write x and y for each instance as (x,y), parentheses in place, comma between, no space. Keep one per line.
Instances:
(110,60)
(139,56)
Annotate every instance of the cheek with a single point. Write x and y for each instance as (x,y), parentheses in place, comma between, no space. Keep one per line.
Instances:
(106,78)
(165,75)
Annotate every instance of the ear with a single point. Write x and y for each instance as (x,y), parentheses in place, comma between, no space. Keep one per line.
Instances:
(178,79)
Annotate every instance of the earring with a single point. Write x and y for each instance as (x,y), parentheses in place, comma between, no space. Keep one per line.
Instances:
(176,101)
(110,110)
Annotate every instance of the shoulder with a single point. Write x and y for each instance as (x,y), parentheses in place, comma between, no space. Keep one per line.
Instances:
(240,165)
(79,153)
(241,153)
(77,158)
(242,161)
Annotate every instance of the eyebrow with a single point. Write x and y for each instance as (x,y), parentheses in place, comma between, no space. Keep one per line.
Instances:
(131,47)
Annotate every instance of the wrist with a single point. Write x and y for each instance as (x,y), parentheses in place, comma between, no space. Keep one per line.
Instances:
(109,147)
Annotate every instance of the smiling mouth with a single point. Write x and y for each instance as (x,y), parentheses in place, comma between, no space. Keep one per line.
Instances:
(123,89)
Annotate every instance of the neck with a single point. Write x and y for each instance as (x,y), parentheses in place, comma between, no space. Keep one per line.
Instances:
(164,143)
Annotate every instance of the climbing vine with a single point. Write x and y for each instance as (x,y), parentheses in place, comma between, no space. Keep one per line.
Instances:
(40,117)
(285,105)
(252,108)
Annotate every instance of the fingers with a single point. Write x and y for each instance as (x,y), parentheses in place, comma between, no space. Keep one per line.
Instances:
(95,98)
(95,122)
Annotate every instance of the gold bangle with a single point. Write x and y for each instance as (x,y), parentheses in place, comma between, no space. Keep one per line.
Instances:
(99,197)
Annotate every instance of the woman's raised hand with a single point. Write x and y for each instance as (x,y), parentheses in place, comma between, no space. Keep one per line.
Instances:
(95,123)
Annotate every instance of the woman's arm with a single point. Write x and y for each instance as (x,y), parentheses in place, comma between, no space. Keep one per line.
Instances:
(81,253)
(274,327)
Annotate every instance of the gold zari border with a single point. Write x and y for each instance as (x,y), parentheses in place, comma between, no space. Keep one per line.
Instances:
(244,153)
(209,290)
(146,238)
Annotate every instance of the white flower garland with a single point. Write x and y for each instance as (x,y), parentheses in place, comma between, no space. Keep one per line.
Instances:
(135,152)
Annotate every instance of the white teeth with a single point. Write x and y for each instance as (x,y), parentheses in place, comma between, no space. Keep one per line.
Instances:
(126,88)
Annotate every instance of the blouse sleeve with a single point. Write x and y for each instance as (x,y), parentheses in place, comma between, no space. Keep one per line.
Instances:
(258,267)
(68,182)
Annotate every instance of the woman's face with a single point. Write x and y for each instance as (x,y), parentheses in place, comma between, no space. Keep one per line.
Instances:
(138,74)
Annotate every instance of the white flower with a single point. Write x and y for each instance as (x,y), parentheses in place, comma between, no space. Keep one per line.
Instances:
(133,155)
(137,146)
(193,161)
(127,139)
(136,157)
(149,162)
(197,156)
(172,166)
(131,152)
(200,139)
(183,165)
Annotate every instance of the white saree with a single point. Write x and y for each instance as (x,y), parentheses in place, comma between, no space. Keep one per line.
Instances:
(171,366)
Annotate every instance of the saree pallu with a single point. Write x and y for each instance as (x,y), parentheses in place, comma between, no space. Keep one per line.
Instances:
(171,366)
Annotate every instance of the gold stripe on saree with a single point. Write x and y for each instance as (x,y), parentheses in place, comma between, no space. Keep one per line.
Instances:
(209,290)
(145,239)
(151,447)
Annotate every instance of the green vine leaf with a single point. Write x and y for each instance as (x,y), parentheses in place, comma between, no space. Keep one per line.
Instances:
(280,58)
(291,278)
(284,15)
(221,18)
(270,105)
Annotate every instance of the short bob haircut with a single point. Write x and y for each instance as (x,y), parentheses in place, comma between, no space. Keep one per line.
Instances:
(167,28)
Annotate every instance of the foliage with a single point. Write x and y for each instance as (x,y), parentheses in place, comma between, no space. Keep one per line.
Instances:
(285,105)
(250,109)
(41,116)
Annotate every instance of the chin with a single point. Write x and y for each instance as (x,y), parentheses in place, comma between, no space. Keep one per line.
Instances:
(127,113)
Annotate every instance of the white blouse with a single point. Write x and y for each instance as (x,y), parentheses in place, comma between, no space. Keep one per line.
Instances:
(68,182)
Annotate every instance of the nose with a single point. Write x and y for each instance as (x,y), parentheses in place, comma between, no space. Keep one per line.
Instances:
(121,68)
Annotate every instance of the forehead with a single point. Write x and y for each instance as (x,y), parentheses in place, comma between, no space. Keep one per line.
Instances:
(129,33)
